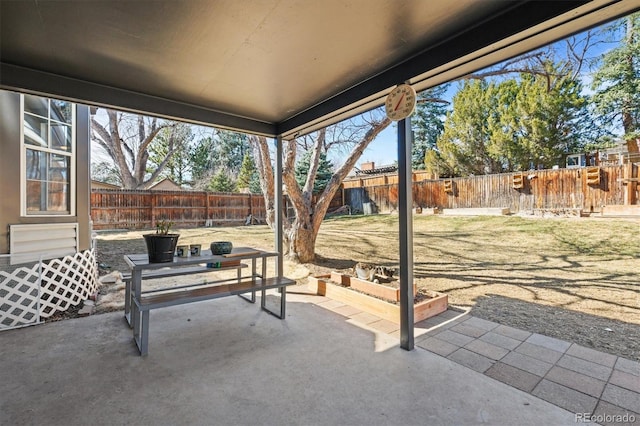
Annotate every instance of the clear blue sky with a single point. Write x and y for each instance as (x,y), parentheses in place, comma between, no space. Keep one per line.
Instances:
(384,149)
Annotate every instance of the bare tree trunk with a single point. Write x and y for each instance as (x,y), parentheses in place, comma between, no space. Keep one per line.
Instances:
(322,205)
(304,230)
(262,158)
(300,235)
(301,241)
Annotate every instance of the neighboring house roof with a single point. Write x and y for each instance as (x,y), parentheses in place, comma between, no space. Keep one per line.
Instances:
(166,184)
(378,170)
(369,168)
(96,184)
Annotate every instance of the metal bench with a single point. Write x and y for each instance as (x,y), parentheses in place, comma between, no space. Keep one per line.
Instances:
(139,302)
(164,273)
(221,288)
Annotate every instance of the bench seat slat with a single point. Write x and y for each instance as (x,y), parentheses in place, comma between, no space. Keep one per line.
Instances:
(158,300)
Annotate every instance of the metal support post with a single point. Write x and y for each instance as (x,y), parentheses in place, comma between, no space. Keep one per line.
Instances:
(279,208)
(405,205)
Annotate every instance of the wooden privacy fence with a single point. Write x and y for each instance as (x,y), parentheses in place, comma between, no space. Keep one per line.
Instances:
(136,209)
(586,189)
(557,189)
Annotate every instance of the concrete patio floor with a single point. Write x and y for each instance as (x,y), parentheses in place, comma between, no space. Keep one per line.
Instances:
(226,362)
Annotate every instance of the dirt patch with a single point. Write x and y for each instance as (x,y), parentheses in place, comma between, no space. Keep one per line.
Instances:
(575,279)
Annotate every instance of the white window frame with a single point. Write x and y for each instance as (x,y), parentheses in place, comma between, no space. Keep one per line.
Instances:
(23,164)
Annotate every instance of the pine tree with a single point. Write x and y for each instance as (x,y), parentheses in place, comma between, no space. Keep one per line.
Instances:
(325,171)
(428,123)
(617,81)
(221,182)
(247,171)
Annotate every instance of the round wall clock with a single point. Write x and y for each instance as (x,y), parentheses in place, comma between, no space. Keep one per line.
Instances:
(400,102)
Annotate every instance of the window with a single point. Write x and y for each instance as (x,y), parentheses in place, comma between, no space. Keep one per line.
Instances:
(48,165)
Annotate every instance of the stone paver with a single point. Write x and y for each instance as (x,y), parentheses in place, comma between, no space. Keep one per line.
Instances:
(608,414)
(568,375)
(364,318)
(548,342)
(527,363)
(471,359)
(330,304)
(514,333)
(481,323)
(576,381)
(622,397)
(628,366)
(625,380)
(384,326)
(451,314)
(468,330)
(513,376)
(585,367)
(569,399)
(455,338)
(346,310)
(435,345)
(592,355)
(487,349)
(500,340)
(539,352)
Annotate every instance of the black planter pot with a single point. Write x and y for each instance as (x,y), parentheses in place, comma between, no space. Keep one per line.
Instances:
(161,247)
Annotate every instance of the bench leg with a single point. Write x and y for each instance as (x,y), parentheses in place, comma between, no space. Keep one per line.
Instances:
(127,301)
(144,347)
(141,333)
(253,280)
(283,302)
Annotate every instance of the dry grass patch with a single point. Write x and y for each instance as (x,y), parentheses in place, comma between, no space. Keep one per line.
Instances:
(571,278)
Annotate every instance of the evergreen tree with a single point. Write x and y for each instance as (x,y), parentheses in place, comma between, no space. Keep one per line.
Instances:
(548,110)
(325,171)
(229,151)
(254,183)
(462,147)
(201,159)
(247,172)
(222,182)
(511,125)
(617,81)
(428,123)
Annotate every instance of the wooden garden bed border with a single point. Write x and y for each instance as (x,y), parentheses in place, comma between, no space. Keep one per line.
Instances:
(323,286)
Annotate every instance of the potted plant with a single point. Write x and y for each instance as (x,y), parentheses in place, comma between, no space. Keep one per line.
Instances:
(161,245)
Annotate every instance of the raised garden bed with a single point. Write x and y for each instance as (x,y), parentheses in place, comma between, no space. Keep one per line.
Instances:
(368,297)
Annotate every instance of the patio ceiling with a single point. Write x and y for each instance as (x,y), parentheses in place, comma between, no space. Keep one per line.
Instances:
(272,67)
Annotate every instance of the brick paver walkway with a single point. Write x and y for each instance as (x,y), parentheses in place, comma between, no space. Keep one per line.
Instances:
(576,378)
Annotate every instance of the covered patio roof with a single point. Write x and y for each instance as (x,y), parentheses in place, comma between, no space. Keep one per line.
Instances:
(272,67)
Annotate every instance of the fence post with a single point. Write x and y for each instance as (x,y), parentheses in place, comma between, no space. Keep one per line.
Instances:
(153,213)
(206,207)
(630,183)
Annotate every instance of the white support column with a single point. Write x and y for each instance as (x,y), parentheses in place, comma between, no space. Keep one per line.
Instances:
(405,205)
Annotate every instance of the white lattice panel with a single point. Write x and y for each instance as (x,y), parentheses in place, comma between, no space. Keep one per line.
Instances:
(63,283)
(19,293)
(67,282)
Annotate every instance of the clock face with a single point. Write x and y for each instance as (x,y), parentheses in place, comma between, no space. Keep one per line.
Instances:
(400,102)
